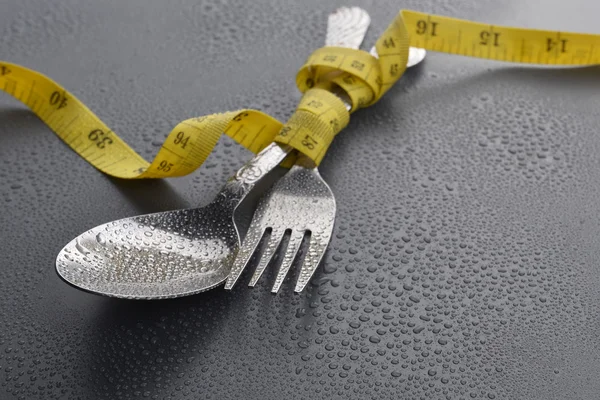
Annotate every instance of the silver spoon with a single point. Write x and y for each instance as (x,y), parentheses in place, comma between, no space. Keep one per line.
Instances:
(178,253)
(166,254)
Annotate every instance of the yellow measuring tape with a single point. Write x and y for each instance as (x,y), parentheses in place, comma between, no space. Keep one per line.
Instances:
(320,114)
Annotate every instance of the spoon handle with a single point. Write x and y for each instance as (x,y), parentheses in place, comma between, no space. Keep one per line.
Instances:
(240,184)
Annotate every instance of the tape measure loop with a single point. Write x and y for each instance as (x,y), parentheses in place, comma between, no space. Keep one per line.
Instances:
(355,71)
(320,116)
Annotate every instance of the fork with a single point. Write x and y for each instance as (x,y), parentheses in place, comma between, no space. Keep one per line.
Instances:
(301,202)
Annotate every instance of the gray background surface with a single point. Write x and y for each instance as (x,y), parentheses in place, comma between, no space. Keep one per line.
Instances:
(464,262)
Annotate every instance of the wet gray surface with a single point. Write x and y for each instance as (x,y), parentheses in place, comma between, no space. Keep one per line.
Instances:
(464,262)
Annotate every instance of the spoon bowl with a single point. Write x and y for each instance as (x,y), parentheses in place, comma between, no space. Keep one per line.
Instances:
(161,255)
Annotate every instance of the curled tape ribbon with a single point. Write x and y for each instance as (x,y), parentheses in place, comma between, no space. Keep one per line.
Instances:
(319,116)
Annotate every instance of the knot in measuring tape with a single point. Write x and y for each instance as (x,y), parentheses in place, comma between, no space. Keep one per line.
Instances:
(364,77)
(320,116)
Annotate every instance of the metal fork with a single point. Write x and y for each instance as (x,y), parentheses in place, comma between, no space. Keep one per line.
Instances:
(300,202)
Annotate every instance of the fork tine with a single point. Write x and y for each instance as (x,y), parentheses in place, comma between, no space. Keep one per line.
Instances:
(290,254)
(253,237)
(316,249)
(272,245)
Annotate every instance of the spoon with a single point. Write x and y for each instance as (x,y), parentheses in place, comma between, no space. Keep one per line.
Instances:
(183,252)
(179,253)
